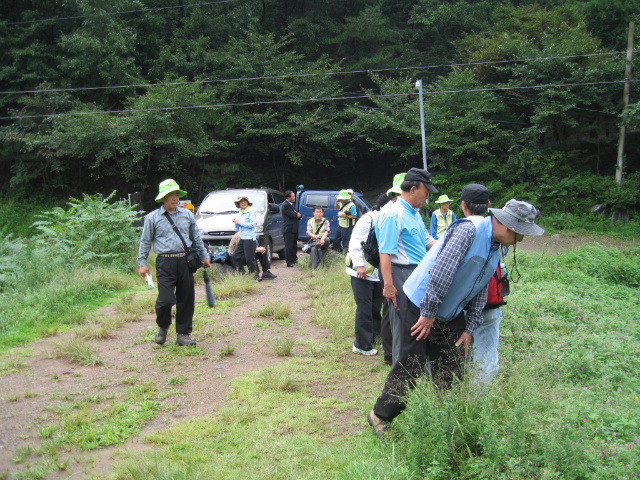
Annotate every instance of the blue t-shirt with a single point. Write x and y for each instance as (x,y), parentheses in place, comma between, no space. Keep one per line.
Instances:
(402,233)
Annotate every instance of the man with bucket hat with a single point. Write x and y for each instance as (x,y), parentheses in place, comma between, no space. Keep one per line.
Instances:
(453,275)
(175,281)
(442,217)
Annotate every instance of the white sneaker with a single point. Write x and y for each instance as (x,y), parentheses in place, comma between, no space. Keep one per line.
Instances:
(367,353)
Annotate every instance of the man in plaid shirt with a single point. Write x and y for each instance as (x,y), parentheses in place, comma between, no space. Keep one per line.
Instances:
(455,274)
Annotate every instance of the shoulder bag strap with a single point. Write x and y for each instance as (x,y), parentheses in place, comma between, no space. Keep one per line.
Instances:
(175,229)
(319,227)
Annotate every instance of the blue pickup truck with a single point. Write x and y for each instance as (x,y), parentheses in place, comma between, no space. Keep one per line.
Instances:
(307,199)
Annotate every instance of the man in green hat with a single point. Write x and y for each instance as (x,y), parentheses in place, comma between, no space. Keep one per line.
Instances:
(442,217)
(175,281)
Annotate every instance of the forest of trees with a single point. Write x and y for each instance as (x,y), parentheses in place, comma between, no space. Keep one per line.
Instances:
(525,96)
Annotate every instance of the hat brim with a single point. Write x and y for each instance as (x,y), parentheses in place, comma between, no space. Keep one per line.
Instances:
(348,197)
(161,195)
(237,202)
(431,187)
(396,190)
(512,223)
(444,201)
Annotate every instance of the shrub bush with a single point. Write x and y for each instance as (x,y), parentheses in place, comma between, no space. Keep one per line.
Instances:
(94,228)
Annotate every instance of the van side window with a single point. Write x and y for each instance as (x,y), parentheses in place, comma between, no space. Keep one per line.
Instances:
(311,200)
(276,198)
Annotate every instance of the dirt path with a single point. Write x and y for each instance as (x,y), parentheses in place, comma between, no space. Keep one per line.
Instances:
(131,357)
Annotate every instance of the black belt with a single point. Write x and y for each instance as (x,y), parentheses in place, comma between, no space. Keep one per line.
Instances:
(410,267)
(172,255)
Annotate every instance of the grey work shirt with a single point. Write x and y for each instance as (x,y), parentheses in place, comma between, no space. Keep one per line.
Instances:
(158,231)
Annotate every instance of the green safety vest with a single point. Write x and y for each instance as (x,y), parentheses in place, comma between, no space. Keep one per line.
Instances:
(345,222)
(442,222)
(315,228)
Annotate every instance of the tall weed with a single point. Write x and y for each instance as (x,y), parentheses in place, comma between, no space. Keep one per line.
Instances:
(566,402)
(94,228)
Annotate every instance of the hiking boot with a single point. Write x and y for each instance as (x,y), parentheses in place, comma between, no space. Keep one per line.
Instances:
(379,426)
(268,275)
(366,353)
(161,336)
(184,340)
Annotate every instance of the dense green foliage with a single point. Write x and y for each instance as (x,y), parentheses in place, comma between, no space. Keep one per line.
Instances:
(79,256)
(120,95)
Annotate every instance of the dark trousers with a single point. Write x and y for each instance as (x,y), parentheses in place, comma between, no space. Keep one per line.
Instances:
(341,240)
(385,327)
(368,297)
(245,252)
(175,287)
(264,261)
(438,346)
(316,254)
(447,361)
(290,247)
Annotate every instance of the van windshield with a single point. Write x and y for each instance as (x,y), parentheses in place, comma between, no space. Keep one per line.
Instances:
(224,202)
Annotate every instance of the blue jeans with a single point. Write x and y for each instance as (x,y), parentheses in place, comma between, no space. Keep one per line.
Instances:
(484,348)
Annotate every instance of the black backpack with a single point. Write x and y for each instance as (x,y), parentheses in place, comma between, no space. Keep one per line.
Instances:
(370,247)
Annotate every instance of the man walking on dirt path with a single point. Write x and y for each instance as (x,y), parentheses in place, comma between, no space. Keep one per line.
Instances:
(175,281)
(454,274)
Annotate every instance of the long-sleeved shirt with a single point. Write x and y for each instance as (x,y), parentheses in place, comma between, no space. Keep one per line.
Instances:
(459,238)
(157,231)
(359,235)
(247,224)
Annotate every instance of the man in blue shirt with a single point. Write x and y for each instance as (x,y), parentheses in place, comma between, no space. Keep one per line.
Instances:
(402,242)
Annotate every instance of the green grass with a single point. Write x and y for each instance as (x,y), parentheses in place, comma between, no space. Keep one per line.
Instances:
(28,314)
(77,350)
(565,405)
(569,224)
(278,311)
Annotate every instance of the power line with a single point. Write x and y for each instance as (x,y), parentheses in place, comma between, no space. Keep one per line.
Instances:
(450,116)
(556,104)
(320,99)
(311,74)
(75,17)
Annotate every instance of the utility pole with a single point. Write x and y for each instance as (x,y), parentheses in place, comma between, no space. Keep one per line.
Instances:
(625,102)
(424,136)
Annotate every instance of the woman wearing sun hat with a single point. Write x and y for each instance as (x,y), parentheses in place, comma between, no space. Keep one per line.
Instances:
(175,281)
(246,225)
(442,217)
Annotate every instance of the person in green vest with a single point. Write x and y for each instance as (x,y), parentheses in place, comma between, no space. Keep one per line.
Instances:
(318,230)
(347,216)
(442,217)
